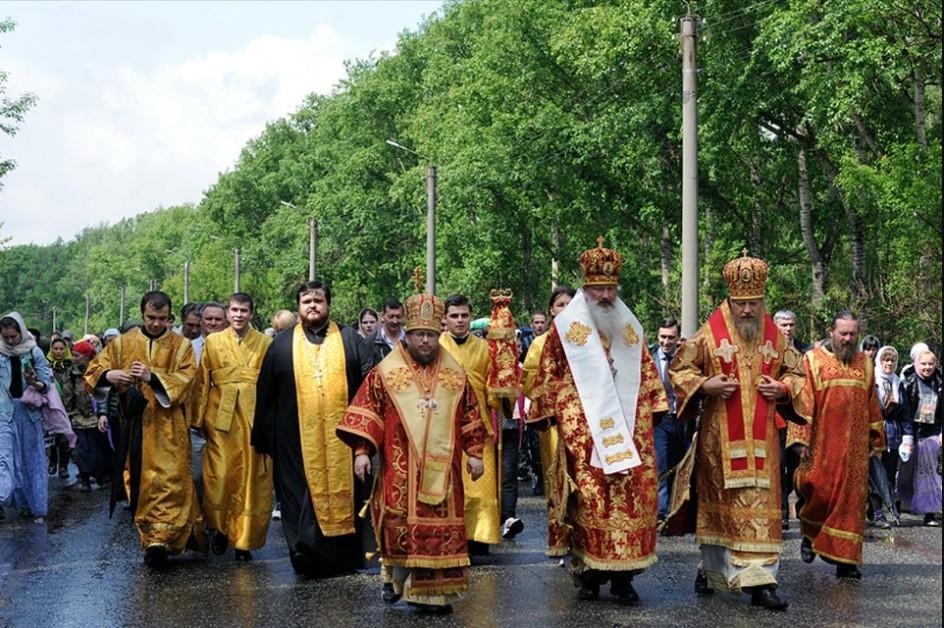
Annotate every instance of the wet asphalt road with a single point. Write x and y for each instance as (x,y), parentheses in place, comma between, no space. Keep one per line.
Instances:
(82,569)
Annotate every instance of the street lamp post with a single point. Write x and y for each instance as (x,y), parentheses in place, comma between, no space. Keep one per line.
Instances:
(312,241)
(430,217)
(186,282)
(236,263)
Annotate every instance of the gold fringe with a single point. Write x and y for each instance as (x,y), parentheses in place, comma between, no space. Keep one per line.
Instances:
(774,547)
(450,589)
(615,565)
(445,562)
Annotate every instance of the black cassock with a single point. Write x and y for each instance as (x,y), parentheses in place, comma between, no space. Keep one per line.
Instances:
(275,433)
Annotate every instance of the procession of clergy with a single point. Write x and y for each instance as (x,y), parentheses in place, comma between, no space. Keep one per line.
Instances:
(400,460)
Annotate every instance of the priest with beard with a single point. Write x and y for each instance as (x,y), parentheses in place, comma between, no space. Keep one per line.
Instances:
(418,413)
(308,377)
(738,370)
(834,448)
(597,382)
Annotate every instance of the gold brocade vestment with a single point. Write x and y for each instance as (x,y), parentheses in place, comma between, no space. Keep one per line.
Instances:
(167,505)
(237,481)
(607,522)
(418,418)
(482,496)
(547,438)
(744,520)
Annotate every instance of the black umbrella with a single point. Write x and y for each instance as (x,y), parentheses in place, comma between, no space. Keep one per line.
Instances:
(878,486)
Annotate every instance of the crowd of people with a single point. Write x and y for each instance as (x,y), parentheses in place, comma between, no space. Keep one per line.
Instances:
(400,436)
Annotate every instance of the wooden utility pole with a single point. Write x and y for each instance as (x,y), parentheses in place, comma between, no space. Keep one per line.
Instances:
(689,179)
(53,319)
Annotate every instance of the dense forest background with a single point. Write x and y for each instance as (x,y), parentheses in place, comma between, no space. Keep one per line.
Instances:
(552,122)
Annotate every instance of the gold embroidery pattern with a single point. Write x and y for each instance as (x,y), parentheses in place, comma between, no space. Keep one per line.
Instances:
(726,350)
(609,441)
(623,455)
(608,423)
(629,335)
(577,334)
(768,352)
(399,379)
(450,379)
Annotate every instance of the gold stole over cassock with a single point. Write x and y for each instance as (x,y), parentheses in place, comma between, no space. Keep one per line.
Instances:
(321,390)
(481,497)
(432,440)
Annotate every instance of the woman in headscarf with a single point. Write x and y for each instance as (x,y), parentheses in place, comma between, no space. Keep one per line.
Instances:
(92,452)
(23,479)
(919,480)
(894,412)
(57,451)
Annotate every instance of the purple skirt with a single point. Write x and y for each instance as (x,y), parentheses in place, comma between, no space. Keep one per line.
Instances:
(927,482)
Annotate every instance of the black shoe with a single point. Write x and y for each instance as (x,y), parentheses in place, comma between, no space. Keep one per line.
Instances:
(806,550)
(302,564)
(155,556)
(430,609)
(477,548)
(220,543)
(767,598)
(930,521)
(64,473)
(589,586)
(512,527)
(701,584)
(785,524)
(388,595)
(622,588)
(85,486)
(243,555)
(848,571)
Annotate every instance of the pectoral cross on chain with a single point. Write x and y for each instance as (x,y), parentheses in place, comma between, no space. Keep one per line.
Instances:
(427,403)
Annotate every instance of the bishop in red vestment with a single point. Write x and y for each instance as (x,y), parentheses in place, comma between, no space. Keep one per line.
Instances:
(418,413)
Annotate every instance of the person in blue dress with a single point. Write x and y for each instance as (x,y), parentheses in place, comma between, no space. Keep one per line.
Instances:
(23,476)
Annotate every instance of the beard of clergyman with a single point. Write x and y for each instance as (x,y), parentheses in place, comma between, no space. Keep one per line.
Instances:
(845,352)
(605,319)
(748,328)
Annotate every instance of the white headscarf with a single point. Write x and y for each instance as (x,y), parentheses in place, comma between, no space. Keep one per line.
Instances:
(880,374)
(27,342)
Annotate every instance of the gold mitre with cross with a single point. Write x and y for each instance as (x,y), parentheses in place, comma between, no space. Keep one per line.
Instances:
(600,266)
(422,311)
(746,277)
